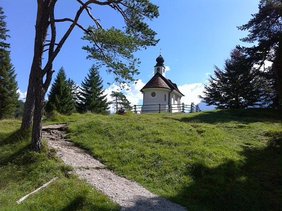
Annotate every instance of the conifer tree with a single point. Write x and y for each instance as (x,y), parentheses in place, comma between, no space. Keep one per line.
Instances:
(60,97)
(74,91)
(236,86)
(120,101)
(91,97)
(8,83)
(265,30)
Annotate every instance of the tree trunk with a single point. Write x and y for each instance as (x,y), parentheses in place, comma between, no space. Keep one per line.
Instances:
(278,70)
(29,103)
(35,96)
(36,142)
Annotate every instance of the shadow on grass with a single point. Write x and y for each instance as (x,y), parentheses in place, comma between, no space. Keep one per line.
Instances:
(80,202)
(14,137)
(15,147)
(76,204)
(152,203)
(252,184)
(242,116)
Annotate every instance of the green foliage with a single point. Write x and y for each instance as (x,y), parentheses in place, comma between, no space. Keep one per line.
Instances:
(61,97)
(120,101)
(8,83)
(266,32)
(223,160)
(74,90)
(90,97)
(234,87)
(22,171)
(114,48)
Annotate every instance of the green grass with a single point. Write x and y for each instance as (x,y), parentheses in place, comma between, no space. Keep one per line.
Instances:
(22,171)
(224,160)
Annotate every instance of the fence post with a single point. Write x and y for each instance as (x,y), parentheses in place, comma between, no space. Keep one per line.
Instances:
(192,108)
(159,108)
(135,109)
(182,107)
(168,108)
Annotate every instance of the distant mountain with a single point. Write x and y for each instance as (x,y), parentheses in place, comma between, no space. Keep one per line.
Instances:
(204,107)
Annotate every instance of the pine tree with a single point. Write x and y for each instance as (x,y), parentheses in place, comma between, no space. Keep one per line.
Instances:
(120,101)
(91,96)
(74,91)
(60,96)
(236,86)
(265,30)
(8,83)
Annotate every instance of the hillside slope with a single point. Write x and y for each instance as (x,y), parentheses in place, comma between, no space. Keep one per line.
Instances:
(206,161)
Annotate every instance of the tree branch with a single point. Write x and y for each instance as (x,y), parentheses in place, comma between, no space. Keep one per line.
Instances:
(72,21)
(53,29)
(90,15)
(119,9)
(48,80)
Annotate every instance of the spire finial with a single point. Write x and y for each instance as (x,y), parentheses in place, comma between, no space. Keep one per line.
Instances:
(160,51)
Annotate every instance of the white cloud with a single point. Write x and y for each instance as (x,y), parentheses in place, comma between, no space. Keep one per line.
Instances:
(22,95)
(191,92)
(167,68)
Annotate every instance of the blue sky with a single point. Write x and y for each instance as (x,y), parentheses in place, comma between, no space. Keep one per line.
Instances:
(194,36)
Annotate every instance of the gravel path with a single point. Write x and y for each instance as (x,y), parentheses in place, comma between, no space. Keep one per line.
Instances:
(128,194)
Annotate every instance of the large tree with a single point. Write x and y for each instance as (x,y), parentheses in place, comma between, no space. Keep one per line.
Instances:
(8,83)
(234,87)
(91,96)
(116,54)
(265,30)
(60,97)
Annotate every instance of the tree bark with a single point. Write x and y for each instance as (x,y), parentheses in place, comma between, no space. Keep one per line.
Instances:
(278,70)
(29,103)
(36,143)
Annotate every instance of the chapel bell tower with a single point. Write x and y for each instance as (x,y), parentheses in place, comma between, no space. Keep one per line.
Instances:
(159,67)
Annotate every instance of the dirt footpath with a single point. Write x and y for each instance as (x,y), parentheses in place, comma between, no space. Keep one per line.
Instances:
(128,194)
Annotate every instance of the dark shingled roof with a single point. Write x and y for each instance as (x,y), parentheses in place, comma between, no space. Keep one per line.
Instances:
(159,81)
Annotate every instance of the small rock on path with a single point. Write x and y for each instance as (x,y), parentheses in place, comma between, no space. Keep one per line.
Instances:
(128,194)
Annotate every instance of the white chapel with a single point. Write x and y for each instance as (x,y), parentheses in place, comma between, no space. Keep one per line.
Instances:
(161,94)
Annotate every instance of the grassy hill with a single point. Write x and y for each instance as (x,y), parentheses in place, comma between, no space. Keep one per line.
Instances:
(223,160)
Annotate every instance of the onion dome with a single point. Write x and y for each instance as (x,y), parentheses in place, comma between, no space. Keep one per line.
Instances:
(160,61)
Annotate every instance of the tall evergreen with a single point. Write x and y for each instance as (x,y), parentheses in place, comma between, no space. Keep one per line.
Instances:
(235,86)
(74,91)
(60,96)
(265,30)
(8,83)
(91,97)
